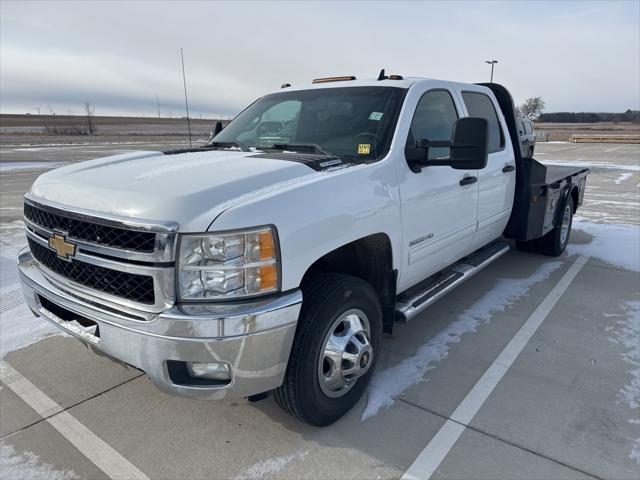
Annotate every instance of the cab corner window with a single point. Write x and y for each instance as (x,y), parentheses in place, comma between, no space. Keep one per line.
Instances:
(433,120)
(480,105)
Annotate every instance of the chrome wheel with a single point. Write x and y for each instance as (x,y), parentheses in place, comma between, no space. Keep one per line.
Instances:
(346,353)
(566,224)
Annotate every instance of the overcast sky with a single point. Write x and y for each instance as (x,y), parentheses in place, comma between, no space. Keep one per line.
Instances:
(576,55)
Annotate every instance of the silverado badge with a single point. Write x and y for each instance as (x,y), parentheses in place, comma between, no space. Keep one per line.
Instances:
(64,249)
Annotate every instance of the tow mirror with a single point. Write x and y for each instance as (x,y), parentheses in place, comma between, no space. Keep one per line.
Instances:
(469,146)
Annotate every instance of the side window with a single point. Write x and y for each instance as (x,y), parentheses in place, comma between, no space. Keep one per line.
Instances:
(480,105)
(433,119)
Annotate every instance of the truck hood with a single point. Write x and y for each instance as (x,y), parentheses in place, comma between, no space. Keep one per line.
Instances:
(191,189)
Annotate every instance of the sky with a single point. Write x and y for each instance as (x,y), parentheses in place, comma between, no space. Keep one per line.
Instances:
(54,56)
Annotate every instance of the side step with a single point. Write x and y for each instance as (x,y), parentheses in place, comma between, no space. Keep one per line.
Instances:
(447,280)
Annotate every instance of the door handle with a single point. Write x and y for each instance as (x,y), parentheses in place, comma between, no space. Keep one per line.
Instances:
(508,168)
(468,180)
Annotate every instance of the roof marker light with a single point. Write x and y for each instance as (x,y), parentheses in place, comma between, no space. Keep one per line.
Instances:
(333,79)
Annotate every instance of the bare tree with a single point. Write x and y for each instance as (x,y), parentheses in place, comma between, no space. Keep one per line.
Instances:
(532,108)
(89,111)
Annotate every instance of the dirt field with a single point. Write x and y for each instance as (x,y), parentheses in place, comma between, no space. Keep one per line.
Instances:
(563,131)
(22,130)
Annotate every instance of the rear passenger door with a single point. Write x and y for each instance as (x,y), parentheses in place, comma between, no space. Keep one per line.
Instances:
(497,180)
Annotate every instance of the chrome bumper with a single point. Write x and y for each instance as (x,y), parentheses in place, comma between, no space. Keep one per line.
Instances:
(254,339)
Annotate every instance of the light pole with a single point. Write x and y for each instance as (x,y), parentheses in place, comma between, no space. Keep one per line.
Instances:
(492,63)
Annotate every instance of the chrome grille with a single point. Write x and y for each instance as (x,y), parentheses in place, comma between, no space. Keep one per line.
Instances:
(122,263)
(138,288)
(128,239)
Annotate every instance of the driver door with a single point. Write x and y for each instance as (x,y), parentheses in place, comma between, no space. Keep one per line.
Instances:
(439,214)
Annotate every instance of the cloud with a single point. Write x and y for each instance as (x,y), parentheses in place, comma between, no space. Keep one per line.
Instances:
(121,55)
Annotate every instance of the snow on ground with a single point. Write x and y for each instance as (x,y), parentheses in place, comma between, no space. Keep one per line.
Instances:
(271,466)
(19,328)
(622,177)
(386,385)
(605,165)
(617,243)
(626,333)
(19,166)
(28,467)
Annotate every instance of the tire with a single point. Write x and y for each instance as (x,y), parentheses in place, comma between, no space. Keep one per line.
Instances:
(330,300)
(555,242)
(527,246)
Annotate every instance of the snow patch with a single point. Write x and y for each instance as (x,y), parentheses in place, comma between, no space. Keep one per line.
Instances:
(605,165)
(19,166)
(387,384)
(267,467)
(626,333)
(617,244)
(622,177)
(28,467)
(19,326)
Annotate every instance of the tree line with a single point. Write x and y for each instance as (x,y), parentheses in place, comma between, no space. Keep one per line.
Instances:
(632,116)
(532,109)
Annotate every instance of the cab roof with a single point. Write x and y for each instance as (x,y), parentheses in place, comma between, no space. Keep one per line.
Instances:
(405,82)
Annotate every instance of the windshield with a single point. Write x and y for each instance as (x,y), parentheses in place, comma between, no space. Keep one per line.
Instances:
(350,123)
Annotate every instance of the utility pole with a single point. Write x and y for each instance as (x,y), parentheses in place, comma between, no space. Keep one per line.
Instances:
(158,105)
(186,101)
(492,63)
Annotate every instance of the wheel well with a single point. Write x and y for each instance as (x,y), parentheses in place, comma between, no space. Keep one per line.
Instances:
(575,196)
(369,258)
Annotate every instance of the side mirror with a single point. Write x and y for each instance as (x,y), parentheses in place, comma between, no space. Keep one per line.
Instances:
(218,128)
(469,146)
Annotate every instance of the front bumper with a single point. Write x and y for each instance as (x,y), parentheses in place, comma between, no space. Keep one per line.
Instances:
(254,339)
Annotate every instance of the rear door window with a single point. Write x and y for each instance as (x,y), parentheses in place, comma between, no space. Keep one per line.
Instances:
(480,105)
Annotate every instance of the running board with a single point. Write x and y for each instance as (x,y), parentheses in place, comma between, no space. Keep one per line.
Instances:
(449,279)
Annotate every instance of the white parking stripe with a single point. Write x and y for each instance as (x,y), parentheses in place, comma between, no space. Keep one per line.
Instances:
(614,149)
(88,443)
(435,452)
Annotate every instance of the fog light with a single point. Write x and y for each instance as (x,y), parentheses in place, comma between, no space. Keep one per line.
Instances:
(214,371)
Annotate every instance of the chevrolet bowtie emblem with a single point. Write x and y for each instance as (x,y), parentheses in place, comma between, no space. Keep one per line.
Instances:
(64,249)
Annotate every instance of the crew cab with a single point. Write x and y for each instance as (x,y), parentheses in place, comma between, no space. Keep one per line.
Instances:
(274,257)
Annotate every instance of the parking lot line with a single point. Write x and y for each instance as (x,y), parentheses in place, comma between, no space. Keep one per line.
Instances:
(435,452)
(88,443)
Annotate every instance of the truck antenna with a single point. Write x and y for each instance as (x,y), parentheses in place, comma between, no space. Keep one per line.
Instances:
(186,101)
(382,76)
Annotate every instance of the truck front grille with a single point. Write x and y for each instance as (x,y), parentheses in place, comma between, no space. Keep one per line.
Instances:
(127,239)
(130,286)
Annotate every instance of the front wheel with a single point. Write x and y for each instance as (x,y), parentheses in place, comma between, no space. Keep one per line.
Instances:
(334,351)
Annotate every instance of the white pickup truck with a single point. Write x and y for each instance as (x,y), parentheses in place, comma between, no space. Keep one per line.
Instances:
(274,257)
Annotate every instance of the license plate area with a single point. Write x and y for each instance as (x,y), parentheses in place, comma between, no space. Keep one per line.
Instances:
(69,321)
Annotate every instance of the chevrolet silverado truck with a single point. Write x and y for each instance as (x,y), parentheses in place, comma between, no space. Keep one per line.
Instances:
(275,256)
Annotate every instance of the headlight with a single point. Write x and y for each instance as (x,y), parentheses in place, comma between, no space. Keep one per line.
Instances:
(225,265)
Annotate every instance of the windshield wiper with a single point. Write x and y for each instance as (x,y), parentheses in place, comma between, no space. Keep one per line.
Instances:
(241,146)
(299,147)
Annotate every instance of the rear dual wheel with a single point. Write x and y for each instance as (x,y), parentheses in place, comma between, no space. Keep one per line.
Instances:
(555,241)
(334,351)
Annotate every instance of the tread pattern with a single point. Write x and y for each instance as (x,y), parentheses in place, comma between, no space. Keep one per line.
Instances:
(320,290)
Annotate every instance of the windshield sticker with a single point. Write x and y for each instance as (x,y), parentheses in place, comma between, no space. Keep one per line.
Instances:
(364,149)
(377,116)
